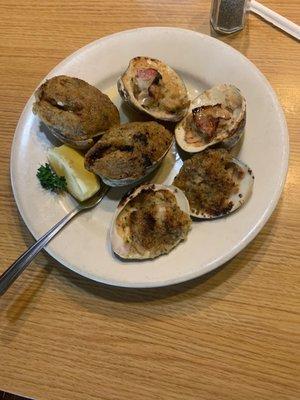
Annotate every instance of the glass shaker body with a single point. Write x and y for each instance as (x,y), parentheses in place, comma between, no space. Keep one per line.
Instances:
(228,16)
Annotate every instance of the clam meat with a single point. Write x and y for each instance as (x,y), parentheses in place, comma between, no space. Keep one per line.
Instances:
(74,111)
(154,88)
(149,222)
(217,116)
(126,154)
(215,183)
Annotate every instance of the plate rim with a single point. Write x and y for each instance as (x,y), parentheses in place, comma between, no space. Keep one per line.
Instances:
(234,250)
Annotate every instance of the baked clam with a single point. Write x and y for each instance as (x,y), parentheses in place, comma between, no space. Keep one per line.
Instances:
(154,88)
(126,154)
(149,222)
(215,183)
(217,116)
(74,111)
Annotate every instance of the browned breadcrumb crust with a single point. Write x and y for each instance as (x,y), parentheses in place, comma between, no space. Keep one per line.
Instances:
(74,108)
(208,179)
(128,150)
(156,223)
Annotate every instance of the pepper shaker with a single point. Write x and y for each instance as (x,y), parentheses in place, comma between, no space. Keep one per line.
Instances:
(228,16)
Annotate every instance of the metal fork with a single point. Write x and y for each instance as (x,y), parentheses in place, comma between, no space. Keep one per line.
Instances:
(12,273)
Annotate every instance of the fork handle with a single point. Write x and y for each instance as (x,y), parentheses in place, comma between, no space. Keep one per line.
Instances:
(12,273)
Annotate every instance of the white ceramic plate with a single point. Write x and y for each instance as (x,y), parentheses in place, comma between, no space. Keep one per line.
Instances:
(202,61)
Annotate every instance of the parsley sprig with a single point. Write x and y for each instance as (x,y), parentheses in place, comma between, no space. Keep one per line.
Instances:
(50,180)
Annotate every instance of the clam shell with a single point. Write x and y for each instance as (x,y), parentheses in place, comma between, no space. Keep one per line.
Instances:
(238,199)
(132,181)
(221,94)
(74,111)
(117,242)
(135,127)
(125,88)
(84,144)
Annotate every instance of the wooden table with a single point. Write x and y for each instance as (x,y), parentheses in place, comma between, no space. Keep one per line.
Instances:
(233,334)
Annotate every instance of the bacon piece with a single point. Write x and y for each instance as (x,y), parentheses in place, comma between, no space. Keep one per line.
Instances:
(207,118)
(147,77)
(147,74)
(207,124)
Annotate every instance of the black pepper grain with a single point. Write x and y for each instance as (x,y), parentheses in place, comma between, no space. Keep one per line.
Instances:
(228,15)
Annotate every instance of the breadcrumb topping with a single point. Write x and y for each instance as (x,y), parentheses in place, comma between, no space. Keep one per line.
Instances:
(208,179)
(152,223)
(128,150)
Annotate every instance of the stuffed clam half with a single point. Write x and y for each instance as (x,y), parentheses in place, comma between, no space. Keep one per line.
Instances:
(154,88)
(217,116)
(126,154)
(74,111)
(214,183)
(150,221)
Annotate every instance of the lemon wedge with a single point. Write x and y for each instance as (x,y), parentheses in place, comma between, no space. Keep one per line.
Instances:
(69,163)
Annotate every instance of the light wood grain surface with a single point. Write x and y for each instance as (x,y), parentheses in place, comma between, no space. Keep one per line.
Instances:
(233,334)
